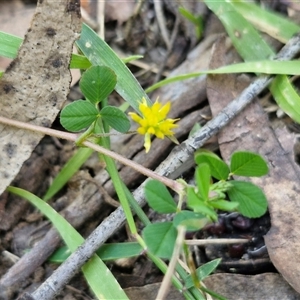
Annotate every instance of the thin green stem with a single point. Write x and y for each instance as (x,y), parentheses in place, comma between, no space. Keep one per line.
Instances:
(136,208)
(85,135)
(118,184)
(197,294)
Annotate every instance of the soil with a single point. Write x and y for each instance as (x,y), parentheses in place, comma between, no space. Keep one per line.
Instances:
(22,227)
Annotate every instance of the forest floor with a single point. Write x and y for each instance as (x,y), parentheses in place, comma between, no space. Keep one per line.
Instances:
(246,270)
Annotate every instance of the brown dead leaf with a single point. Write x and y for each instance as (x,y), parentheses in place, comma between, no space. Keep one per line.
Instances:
(37,82)
(149,292)
(251,130)
(119,11)
(268,286)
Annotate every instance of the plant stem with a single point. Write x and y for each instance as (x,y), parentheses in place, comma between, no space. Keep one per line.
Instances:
(136,208)
(118,184)
(174,185)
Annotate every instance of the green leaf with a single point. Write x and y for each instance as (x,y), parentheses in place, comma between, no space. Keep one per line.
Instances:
(97,83)
(202,177)
(257,66)
(195,128)
(160,238)
(67,171)
(60,255)
(99,277)
(252,201)
(191,220)
(78,115)
(245,38)
(198,205)
(115,118)
(286,97)
(202,272)
(251,47)
(221,186)
(188,15)
(218,167)
(115,251)
(79,62)
(224,205)
(278,26)
(128,59)
(245,163)
(196,20)
(159,198)
(261,66)
(9,45)
(107,252)
(99,53)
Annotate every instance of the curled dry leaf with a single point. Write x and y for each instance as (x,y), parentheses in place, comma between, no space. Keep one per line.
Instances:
(119,11)
(36,83)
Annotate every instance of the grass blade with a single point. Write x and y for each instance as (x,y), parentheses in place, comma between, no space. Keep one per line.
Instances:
(99,277)
(99,53)
(267,21)
(252,47)
(245,38)
(68,170)
(286,97)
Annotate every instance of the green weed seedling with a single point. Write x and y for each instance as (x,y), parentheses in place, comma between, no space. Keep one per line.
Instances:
(205,199)
(96,84)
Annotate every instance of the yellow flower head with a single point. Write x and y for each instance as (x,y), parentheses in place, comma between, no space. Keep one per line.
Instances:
(153,121)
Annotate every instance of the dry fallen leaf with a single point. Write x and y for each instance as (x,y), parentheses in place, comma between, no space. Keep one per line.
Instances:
(119,11)
(149,292)
(37,82)
(267,286)
(251,130)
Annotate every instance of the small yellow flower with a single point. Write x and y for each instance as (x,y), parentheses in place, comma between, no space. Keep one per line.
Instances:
(153,121)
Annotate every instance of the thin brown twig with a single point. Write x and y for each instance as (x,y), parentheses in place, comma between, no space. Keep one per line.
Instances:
(174,185)
(216,242)
(172,41)
(162,22)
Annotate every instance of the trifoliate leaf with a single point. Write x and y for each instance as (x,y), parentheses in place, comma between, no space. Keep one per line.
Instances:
(97,83)
(218,168)
(245,163)
(191,220)
(160,238)
(202,176)
(78,115)
(252,201)
(115,118)
(159,198)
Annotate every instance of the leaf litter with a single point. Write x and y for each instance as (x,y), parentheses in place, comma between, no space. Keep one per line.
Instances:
(281,241)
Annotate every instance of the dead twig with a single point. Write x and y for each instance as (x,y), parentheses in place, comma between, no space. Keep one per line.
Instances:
(162,23)
(172,41)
